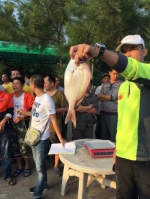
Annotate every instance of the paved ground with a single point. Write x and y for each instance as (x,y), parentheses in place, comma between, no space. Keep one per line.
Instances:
(21,189)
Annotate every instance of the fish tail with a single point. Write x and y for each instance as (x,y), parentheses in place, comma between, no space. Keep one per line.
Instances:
(71,116)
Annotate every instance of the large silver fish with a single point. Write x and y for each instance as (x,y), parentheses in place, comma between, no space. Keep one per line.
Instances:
(76,80)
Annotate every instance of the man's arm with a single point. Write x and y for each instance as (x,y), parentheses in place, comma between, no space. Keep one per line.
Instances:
(9,111)
(101,95)
(84,51)
(130,68)
(82,109)
(113,97)
(24,113)
(104,98)
(18,118)
(93,110)
(3,122)
(61,110)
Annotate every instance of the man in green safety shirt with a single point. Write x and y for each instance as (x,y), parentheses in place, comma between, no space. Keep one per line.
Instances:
(133,128)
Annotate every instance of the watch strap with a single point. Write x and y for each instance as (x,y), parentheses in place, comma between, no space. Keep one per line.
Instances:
(102,49)
(101,52)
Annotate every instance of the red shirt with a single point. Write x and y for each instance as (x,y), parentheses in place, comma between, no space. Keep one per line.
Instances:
(6,104)
(28,100)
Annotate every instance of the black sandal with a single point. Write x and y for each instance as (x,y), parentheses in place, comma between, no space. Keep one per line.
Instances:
(26,173)
(17,172)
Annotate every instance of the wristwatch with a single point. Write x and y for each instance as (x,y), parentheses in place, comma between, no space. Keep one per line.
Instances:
(102,49)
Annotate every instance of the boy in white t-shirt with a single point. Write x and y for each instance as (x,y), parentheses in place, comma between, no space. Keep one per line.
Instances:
(43,112)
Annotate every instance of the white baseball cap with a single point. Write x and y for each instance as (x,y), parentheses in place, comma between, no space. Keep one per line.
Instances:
(131,39)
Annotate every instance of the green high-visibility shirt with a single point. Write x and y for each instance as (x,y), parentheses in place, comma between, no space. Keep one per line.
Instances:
(133,129)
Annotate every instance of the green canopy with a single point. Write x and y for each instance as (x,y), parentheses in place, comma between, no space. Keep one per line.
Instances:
(10,52)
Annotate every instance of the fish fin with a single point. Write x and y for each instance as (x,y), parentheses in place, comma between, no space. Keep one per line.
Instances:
(71,116)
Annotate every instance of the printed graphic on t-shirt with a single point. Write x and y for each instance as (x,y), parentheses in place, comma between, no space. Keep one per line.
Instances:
(34,113)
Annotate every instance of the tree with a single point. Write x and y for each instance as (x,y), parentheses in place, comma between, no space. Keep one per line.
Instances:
(65,22)
(34,23)
(107,21)
(62,23)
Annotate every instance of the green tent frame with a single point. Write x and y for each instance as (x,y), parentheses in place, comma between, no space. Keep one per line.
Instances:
(10,52)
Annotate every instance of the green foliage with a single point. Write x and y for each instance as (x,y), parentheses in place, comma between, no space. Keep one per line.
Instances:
(62,23)
(107,21)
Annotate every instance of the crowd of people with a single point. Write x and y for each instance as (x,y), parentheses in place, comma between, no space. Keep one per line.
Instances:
(40,102)
(39,94)
(117,108)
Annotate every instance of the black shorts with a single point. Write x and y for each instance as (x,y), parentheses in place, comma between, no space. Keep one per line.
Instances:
(54,138)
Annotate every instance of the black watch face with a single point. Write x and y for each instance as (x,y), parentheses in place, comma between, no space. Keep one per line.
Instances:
(99,45)
(102,49)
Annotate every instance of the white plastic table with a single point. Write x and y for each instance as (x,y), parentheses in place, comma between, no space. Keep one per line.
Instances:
(88,170)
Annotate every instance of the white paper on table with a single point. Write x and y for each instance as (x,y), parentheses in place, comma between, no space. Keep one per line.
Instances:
(58,148)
